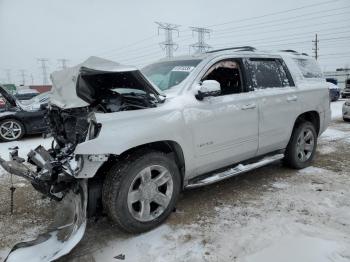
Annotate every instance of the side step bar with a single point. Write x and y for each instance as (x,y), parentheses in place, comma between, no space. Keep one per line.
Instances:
(234,171)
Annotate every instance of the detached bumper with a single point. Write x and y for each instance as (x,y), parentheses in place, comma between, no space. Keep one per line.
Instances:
(65,233)
(70,221)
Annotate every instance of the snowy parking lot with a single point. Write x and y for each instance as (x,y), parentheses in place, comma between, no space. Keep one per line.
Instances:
(270,214)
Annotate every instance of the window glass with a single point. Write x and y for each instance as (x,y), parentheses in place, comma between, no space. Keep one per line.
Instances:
(228,74)
(267,73)
(308,67)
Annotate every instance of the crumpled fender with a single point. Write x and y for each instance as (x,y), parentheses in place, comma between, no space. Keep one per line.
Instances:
(67,230)
(125,130)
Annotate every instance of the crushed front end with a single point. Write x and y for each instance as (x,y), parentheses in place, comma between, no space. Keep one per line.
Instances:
(95,86)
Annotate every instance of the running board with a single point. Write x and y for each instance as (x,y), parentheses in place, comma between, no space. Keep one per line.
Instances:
(234,171)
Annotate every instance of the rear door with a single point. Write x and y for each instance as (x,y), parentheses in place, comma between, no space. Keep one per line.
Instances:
(278,101)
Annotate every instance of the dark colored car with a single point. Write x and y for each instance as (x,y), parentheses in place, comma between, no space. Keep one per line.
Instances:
(334,91)
(17,119)
(346,91)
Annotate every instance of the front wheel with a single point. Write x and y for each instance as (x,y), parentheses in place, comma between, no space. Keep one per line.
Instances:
(11,130)
(140,192)
(302,146)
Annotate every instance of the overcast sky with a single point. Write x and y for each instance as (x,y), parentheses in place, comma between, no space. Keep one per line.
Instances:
(125,31)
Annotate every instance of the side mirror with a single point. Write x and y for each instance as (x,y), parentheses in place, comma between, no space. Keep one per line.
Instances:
(208,88)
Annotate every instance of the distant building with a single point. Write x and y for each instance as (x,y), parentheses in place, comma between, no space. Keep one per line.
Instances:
(41,88)
(340,74)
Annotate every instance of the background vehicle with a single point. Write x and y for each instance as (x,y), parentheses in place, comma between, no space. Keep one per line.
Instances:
(17,119)
(25,94)
(130,141)
(346,91)
(334,91)
(346,111)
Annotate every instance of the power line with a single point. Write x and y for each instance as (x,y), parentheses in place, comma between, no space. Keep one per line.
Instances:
(274,13)
(44,69)
(201,46)
(168,44)
(287,20)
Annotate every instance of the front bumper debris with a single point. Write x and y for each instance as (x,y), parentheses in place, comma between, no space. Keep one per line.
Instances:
(70,220)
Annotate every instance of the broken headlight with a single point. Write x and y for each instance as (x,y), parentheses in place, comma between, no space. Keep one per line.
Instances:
(94,129)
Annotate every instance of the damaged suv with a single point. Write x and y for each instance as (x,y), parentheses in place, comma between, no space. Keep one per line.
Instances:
(127,142)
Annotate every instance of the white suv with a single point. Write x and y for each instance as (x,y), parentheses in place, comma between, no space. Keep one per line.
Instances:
(129,141)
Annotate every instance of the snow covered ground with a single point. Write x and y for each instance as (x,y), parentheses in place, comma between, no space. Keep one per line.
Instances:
(270,214)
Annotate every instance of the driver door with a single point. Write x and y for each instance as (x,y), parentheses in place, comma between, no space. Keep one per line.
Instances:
(224,127)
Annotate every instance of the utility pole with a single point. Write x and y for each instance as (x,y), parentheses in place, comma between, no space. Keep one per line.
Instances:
(200,46)
(63,62)
(8,75)
(44,69)
(316,46)
(168,44)
(22,73)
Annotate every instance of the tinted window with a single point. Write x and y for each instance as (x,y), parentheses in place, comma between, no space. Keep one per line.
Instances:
(267,73)
(308,67)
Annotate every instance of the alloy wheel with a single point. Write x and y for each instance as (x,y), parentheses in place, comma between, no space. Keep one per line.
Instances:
(150,193)
(10,130)
(305,144)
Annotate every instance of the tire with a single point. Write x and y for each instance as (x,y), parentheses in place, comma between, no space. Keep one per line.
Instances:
(302,146)
(133,187)
(346,119)
(11,130)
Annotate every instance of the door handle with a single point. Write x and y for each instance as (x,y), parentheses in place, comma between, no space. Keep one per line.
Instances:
(248,106)
(292,98)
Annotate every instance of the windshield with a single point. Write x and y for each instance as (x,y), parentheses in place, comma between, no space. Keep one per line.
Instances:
(170,73)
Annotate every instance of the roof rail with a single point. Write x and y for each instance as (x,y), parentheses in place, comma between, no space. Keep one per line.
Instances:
(289,51)
(238,48)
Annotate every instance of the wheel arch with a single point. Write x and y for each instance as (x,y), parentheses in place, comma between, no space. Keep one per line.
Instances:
(167,146)
(311,116)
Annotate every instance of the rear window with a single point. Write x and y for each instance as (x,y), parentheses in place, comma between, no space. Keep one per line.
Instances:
(309,68)
(267,73)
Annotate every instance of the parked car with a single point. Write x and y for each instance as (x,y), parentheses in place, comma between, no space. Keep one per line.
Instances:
(130,141)
(26,94)
(346,111)
(18,119)
(2,103)
(334,91)
(346,91)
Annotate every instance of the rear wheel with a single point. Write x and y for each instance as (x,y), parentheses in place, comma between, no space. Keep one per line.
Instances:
(346,119)
(11,130)
(141,192)
(302,146)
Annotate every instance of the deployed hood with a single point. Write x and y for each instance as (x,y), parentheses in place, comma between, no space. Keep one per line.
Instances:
(9,98)
(78,87)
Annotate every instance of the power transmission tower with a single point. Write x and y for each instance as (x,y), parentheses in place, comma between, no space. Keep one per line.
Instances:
(8,75)
(63,62)
(200,46)
(44,69)
(32,78)
(168,44)
(316,46)
(22,73)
